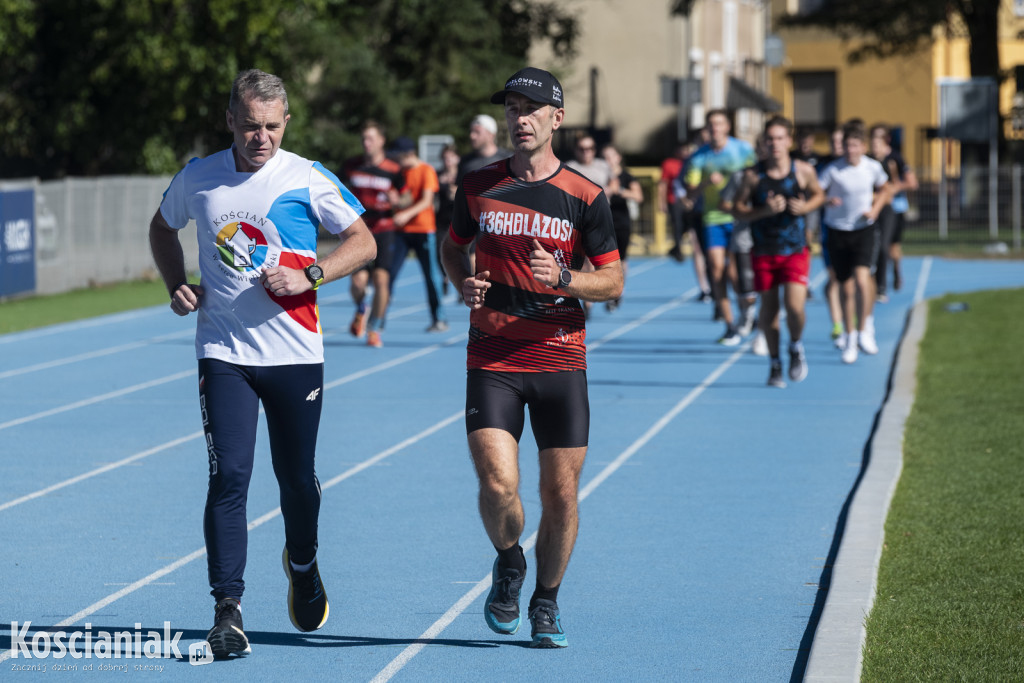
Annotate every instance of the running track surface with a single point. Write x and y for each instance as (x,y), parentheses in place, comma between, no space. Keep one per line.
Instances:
(709,501)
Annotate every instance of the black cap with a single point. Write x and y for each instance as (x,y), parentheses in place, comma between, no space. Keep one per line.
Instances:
(402,145)
(537,84)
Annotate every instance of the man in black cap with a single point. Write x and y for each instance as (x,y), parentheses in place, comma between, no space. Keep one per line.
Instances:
(534,221)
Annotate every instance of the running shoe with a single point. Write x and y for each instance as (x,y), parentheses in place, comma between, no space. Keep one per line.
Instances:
(227,637)
(677,253)
(748,319)
(612,305)
(867,343)
(882,299)
(850,350)
(438,326)
(775,376)
(797,365)
(760,345)
(501,611)
(373,339)
(307,600)
(840,341)
(730,338)
(704,296)
(546,626)
(358,326)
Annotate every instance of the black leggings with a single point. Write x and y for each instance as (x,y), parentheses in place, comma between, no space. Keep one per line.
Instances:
(229,398)
(886,229)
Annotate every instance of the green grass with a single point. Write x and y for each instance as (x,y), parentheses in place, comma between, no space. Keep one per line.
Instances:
(950,603)
(24,314)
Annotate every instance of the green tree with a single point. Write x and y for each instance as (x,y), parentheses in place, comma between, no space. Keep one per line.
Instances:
(126,86)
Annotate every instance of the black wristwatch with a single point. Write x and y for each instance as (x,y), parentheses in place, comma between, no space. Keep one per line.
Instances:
(564,278)
(314,274)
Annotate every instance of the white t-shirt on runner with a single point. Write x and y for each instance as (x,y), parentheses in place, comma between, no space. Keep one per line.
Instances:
(247,222)
(855,186)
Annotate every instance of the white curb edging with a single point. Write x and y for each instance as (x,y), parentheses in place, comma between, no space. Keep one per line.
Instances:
(837,647)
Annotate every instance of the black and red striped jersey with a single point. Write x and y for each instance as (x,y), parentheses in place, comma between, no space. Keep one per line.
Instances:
(525,325)
(370,184)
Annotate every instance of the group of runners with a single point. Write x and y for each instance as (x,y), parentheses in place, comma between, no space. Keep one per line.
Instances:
(545,244)
(758,212)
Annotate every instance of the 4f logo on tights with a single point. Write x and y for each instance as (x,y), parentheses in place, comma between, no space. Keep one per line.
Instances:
(313,394)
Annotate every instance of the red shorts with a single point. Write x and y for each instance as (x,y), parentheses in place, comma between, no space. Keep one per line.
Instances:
(772,271)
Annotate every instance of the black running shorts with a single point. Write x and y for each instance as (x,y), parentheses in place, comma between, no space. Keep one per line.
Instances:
(849,249)
(385,252)
(558,401)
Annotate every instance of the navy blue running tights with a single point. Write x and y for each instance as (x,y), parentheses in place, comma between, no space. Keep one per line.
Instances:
(229,398)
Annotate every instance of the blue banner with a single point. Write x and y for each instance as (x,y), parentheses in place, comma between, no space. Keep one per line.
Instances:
(17,242)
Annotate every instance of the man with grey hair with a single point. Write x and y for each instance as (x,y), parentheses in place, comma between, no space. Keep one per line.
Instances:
(483,130)
(258,210)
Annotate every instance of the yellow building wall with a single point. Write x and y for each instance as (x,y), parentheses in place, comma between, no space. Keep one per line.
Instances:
(898,91)
(894,91)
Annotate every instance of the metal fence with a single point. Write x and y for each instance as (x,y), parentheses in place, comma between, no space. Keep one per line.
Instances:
(93,231)
(955,212)
(966,210)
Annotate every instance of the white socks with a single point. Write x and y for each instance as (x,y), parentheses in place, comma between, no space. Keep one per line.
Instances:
(302,568)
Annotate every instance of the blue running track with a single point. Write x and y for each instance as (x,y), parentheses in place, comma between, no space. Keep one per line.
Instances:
(709,501)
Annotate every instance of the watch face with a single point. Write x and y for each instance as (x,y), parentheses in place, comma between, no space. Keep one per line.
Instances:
(565,277)
(315,273)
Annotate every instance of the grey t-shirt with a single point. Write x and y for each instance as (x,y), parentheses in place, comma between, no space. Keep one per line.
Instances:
(475,161)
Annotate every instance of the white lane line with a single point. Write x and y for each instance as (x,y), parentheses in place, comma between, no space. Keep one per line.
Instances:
(644,319)
(100,470)
(648,265)
(187,373)
(466,600)
(922,280)
(818,279)
(99,353)
(263,519)
(111,350)
(159,309)
(97,399)
(151,579)
(330,385)
(61,328)
(195,435)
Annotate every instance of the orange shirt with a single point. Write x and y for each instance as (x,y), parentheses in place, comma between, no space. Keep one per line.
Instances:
(419,179)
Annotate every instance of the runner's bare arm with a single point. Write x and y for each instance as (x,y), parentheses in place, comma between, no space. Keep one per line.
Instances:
(814,196)
(602,284)
(170,261)
(472,286)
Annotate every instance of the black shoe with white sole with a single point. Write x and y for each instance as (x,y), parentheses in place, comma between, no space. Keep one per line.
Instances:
(227,637)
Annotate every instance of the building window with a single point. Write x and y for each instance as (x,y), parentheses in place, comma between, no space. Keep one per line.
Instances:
(814,99)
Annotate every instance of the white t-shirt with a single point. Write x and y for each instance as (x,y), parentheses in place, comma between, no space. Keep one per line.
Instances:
(855,186)
(247,222)
(597,171)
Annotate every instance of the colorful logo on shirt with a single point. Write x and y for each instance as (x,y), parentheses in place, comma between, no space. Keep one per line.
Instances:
(241,246)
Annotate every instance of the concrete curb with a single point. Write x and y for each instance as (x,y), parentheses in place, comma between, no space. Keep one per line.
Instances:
(836,650)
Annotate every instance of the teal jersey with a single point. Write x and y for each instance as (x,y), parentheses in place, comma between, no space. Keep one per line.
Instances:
(736,155)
